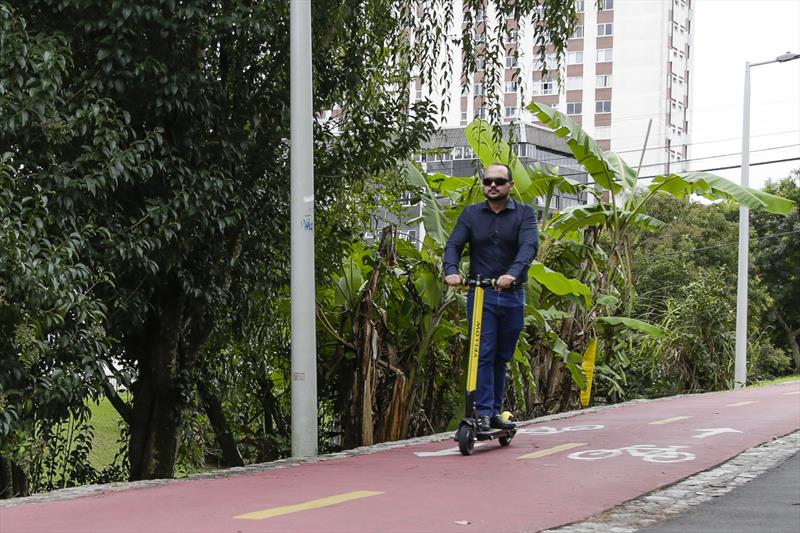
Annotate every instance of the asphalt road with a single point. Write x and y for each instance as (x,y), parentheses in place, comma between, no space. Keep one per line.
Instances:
(769,504)
(553,473)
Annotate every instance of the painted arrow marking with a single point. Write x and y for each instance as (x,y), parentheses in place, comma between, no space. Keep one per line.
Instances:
(714,431)
(446,451)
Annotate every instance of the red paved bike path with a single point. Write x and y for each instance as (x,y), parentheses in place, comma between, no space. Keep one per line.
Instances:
(493,490)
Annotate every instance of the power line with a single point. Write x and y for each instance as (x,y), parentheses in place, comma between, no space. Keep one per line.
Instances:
(720,156)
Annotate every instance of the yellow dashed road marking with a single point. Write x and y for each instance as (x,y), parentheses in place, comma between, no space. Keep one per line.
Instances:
(741,403)
(305,506)
(551,451)
(668,420)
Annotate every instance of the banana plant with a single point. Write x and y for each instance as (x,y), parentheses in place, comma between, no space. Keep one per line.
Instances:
(439,220)
(626,209)
(624,216)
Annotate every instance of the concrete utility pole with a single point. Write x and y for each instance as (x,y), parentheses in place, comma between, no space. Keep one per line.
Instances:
(740,368)
(304,337)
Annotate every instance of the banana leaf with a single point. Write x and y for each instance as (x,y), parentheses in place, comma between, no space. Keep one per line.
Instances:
(489,149)
(608,170)
(716,187)
(558,283)
(632,323)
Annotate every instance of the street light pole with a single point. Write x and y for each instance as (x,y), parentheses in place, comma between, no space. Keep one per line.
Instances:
(740,367)
(301,212)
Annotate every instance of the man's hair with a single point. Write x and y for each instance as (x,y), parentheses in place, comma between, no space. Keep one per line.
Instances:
(508,169)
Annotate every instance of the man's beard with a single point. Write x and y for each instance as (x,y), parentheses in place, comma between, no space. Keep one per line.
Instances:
(499,198)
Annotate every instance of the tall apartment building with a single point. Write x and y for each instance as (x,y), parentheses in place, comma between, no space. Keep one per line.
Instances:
(627,64)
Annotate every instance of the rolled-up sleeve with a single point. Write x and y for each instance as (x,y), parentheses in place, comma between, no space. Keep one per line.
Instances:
(528,239)
(455,244)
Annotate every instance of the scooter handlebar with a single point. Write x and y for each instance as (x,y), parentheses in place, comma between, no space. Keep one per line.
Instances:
(479,282)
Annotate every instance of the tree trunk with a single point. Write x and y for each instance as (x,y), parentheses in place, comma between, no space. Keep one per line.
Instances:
(157,394)
(368,342)
(791,340)
(6,479)
(222,430)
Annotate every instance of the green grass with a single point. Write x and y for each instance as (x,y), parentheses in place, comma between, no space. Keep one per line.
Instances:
(105,445)
(105,420)
(784,379)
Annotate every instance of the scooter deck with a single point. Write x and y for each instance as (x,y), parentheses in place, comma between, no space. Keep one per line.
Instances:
(495,434)
(492,434)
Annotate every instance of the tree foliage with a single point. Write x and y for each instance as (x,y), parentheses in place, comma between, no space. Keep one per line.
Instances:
(145,164)
(776,255)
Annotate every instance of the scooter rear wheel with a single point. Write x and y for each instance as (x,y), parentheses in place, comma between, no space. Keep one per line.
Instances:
(466,439)
(505,441)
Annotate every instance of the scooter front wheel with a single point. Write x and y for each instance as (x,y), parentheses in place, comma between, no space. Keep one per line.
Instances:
(466,439)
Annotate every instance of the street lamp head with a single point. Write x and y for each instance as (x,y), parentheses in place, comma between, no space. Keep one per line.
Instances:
(788,56)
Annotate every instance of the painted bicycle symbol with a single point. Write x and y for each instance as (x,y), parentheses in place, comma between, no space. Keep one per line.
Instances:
(549,430)
(648,452)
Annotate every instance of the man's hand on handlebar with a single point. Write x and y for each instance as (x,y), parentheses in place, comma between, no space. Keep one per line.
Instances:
(505,281)
(453,279)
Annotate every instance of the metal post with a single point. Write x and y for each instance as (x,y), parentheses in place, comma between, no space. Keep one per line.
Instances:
(740,368)
(303,323)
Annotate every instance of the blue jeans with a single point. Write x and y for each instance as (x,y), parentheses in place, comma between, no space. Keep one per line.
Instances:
(502,323)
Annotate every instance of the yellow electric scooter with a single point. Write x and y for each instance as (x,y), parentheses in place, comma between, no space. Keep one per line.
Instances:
(468,432)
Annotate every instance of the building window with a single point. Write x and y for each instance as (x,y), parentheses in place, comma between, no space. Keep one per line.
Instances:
(574,83)
(480,113)
(566,201)
(419,94)
(580,6)
(544,87)
(463,118)
(574,108)
(513,36)
(480,15)
(465,90)
(550,62)
(479,63)
(512,112)
(511,86)
(603,80)
(607,5)
(521,149)
(602,106)
(602,132)
(458,151)
(605,29)
(604,55)
(577,33)
(478,88)
(511,61)
(575,58)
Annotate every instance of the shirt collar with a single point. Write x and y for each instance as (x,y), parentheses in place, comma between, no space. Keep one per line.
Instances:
(511,204)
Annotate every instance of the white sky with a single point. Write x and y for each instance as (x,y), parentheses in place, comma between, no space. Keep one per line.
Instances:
(727,34)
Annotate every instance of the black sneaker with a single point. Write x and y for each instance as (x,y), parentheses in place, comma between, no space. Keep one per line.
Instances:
(484,424)
(497,422)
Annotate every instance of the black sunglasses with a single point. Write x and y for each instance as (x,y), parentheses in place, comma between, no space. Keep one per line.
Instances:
(497,181)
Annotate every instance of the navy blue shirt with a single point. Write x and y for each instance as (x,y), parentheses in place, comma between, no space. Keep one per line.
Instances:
(499,243)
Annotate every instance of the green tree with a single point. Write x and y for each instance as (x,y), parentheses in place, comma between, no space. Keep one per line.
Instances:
(776,255)
(54,340)
(157,135)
